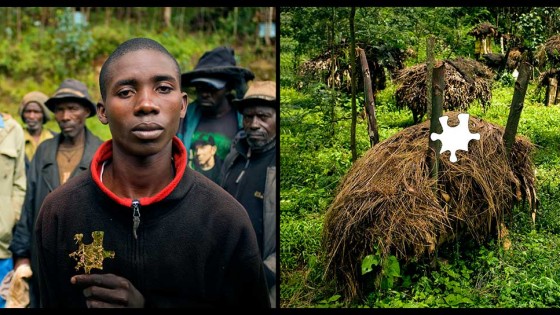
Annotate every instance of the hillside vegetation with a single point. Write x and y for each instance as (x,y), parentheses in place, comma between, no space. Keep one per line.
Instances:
(44,45)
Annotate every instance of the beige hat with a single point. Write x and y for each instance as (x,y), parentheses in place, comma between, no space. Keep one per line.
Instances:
(39,98)
(261,93)
(72,90)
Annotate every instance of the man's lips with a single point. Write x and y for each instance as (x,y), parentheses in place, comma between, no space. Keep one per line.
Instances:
(256,136)
(147,131)
(66,128)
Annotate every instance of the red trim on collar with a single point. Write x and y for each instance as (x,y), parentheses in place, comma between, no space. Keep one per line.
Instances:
(105,152)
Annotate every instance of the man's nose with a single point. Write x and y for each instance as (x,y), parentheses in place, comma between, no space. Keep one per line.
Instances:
(255,122)
(145,103)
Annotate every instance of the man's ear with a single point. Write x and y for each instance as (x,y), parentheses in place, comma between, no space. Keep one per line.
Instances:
(184,104)
(101,114)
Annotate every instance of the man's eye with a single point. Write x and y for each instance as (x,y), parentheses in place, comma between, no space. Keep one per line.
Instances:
(165,89)
(124,93)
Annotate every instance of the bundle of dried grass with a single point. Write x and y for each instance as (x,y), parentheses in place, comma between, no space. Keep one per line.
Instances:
(379,59)
(514,58)
(466,80)
(549,52)
(552,48)
(484,29)
(388,200)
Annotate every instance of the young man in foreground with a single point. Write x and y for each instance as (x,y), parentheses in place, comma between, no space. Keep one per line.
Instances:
(140,229)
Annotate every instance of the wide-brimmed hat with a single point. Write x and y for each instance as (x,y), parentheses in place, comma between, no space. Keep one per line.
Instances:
(215,82)
(36,97)
(262,93)
(218,67)
(72,90)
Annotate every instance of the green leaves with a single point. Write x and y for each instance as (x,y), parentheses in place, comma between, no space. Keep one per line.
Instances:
(389,272)
(368,262)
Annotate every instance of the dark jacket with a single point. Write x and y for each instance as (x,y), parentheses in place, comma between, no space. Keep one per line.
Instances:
(42,179)
(238,155)
(194,248)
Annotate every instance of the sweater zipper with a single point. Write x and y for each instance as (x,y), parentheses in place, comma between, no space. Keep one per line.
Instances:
(135,216)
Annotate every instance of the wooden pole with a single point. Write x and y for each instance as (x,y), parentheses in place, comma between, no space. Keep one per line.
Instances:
(516,104)
(438,88)
(369,99)
(430,42)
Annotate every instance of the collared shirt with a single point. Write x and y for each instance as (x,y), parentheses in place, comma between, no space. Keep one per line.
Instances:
(31,145)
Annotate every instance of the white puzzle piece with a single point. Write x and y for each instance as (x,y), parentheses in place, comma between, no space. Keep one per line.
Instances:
(454,138)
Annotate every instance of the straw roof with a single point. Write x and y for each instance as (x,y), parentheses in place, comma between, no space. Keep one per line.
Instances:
(549,52)
(484,29)
(466,80)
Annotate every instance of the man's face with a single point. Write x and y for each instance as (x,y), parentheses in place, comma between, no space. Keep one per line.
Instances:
(33,116)
(205,153)
(259,123)
(144,102)
(208,96)
(71,117)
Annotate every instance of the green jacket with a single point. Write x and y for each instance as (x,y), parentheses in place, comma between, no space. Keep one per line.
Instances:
(12,179)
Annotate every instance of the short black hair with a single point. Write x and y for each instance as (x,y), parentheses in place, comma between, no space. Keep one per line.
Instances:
(126,47)
(206,139)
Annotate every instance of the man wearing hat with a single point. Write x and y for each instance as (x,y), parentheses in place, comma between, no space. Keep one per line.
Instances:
(217,81)
(34,113)
(249,170)
(62,157)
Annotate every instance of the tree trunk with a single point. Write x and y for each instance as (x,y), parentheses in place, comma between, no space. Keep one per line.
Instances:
(235,21)
(181,20)
(331,114)
(438,88)
(44,16)
(369,99)
(353,80)
(502,44)
(557,96)
(516,104)
(128,14)
(107,16)
(268,19)
(87,11)
(18,24)
(552,89)
(167,17)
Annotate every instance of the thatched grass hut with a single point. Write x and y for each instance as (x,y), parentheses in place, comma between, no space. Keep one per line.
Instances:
(483,30)
(548,58)
(549,52)
(333,68)
(484,33)
(388,200)
(466,80)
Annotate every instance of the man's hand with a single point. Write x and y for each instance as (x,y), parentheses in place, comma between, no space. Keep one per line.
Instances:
(21,261)
(108,290)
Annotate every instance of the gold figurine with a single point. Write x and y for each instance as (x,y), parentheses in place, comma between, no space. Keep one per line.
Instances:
(91,256)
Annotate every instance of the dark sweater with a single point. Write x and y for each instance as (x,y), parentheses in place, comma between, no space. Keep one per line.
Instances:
(195,248)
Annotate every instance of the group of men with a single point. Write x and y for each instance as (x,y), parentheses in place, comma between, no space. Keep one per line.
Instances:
(102,223)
